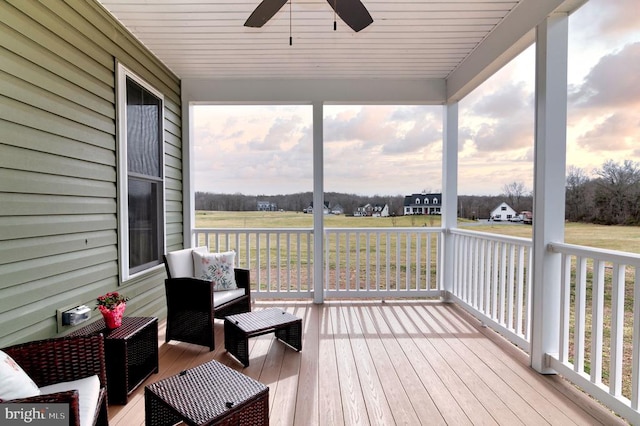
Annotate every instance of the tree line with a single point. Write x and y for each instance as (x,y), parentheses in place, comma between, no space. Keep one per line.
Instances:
(297,202)
(609,195)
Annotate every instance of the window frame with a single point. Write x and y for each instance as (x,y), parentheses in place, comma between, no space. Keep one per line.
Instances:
(127,273)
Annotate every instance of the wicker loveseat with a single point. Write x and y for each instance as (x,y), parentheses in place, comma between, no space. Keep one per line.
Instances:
(193,304)
(65,359)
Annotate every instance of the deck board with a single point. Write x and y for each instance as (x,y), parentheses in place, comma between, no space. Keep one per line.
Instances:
(381,363)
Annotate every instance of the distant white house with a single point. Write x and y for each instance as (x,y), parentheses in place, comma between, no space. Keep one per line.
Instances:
(267,206)
(368,210)
(422,204)
(380,210)
(309,209)
(503,212)
(337,209)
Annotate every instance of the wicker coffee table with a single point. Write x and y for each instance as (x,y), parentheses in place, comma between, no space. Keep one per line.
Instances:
(239,328)
(210,394)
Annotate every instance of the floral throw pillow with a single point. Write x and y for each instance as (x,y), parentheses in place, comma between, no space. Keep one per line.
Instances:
(217,268)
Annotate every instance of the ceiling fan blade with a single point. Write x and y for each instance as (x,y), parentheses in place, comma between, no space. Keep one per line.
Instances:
(264,12)
(352,12)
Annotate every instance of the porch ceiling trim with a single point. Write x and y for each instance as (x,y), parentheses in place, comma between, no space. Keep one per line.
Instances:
(305,91)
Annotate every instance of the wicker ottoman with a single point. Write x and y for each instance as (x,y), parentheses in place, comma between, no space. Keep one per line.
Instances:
(239,328)
(210,394)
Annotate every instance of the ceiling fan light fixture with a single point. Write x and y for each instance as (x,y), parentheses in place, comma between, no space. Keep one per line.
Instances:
(352,12)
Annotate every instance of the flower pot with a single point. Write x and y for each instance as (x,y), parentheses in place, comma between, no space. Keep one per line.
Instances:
(113,317)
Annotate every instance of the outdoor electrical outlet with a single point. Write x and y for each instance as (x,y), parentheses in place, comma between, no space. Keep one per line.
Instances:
(76,315)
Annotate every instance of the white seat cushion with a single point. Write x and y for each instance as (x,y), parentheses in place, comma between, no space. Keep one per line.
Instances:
(14,382)
(180,262)
(224,296)
(88,394)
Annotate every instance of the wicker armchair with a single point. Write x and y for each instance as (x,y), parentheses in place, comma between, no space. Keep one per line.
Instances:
(61,360)
(192,304)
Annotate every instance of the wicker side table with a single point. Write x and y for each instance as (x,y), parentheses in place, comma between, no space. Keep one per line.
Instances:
(131,353)
(210,394)
(240,327)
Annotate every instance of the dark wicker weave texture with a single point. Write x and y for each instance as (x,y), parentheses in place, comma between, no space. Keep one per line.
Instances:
(239,328)
(210,394)
(64,359)
(190,314)
(131,353)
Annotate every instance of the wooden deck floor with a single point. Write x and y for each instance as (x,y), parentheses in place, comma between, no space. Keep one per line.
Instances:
(388,363)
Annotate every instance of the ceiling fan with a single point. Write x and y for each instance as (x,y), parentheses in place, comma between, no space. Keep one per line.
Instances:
(352,12)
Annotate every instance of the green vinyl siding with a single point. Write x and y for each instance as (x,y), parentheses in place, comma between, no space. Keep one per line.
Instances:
(58,164)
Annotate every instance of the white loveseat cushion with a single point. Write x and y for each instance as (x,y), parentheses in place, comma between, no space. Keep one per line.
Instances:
(14,382)
(88,394)
(180,262)
(222,297)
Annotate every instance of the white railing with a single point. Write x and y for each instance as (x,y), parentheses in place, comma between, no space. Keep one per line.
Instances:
(382,262)
(362,262)
(492,279)
(280,260)
(599,348)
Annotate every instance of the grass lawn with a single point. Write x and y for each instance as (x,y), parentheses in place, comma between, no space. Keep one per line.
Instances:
(623,238)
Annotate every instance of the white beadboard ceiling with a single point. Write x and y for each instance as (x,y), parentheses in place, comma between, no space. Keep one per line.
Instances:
(409,39)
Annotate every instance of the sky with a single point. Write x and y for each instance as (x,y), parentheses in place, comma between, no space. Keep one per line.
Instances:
(397,150)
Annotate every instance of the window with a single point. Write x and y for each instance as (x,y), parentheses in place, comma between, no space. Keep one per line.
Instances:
(426,200)
(140,174)
(435,200)
(503,208)
(417,200)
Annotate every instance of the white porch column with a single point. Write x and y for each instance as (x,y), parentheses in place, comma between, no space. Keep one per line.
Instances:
(318,204)
(549,185)
(449,191)
(188,181)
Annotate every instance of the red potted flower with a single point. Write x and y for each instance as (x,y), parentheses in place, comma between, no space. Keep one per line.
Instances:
(112,306)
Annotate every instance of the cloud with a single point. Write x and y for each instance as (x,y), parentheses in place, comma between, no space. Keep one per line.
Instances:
(419,137)
(619,131)
(500,119)
(603,108)
(508,100)
(283,133)
(613,82)
(608,20)
(385,129)
(370,125)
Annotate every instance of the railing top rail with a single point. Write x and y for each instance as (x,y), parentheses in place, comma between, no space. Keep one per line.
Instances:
(292,230)
(388,229)
(614,256)
(493,237)
(296,230)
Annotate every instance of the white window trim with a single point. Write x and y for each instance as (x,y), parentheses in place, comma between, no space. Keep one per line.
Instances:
(122,198)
